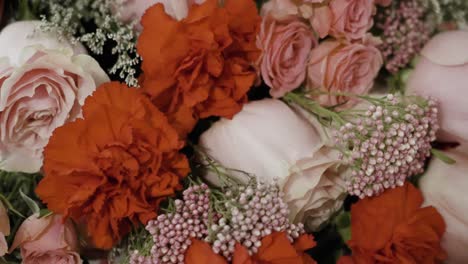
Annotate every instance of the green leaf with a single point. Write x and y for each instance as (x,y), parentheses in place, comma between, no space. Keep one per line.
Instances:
(45,213)
(343,225)
(442,156)
(30,202)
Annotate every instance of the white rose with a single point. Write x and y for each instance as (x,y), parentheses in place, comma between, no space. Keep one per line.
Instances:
(270,140)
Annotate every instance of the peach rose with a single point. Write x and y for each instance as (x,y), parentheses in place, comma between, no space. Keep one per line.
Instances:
(270,140)
(351,18)
(47,240)
(441,73)
(337,67)
(316,11)
(41,91)
(4,229)
(285,45)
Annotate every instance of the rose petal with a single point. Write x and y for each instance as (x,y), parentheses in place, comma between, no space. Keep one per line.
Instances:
(448,48)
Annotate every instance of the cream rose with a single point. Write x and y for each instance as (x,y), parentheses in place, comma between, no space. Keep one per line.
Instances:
(337,67)
(40,91)
(47,240)
(285,45)
(270,140)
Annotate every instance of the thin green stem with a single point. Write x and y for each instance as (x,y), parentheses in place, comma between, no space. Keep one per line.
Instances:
(314,108)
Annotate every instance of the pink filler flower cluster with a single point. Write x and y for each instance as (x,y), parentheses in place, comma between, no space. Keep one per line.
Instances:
(388,144)
(245,217)
(404,33)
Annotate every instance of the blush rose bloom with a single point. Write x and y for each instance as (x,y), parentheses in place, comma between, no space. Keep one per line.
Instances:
(269,140)
(352,19)
(317,12)
(47,240)
(444,187)
(41,91)
(18,35)
(4,229)
(442,73)
(338,67)
(285,45)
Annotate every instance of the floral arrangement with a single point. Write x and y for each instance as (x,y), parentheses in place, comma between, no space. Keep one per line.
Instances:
(233,131)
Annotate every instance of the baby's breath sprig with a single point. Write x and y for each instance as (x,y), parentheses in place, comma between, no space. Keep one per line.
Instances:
(449,11)
(70,19)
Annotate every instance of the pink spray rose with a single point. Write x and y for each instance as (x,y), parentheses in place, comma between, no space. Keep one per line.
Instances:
(316,11)
(351,18)
(442,73)
(4,229)
(40,91)
(337,67)
(285,45)
(47,240)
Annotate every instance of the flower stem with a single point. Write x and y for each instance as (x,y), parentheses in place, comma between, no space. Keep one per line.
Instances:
(314,107)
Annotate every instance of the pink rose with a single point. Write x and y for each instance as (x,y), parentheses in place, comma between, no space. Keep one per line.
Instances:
(134,9)
(47,240)
(4,229)
(351,18)
(285,45)
(40,92)
(442,73)
(316,11)
(337,67)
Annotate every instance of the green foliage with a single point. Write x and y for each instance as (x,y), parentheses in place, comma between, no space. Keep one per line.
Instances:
(17,195)
(449,11)
(12,184)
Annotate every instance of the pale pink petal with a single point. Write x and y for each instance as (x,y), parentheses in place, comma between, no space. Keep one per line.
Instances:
(444,187)
(3,245)
(31,229)
(4,221)
(448,85)
(321,20)
(448,48)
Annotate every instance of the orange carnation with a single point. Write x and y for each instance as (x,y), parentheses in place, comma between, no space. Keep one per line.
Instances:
(202,65)
(113,167)
(392,228)
(275,249)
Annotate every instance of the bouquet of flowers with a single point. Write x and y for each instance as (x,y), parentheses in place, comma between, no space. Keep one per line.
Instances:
(234,131)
